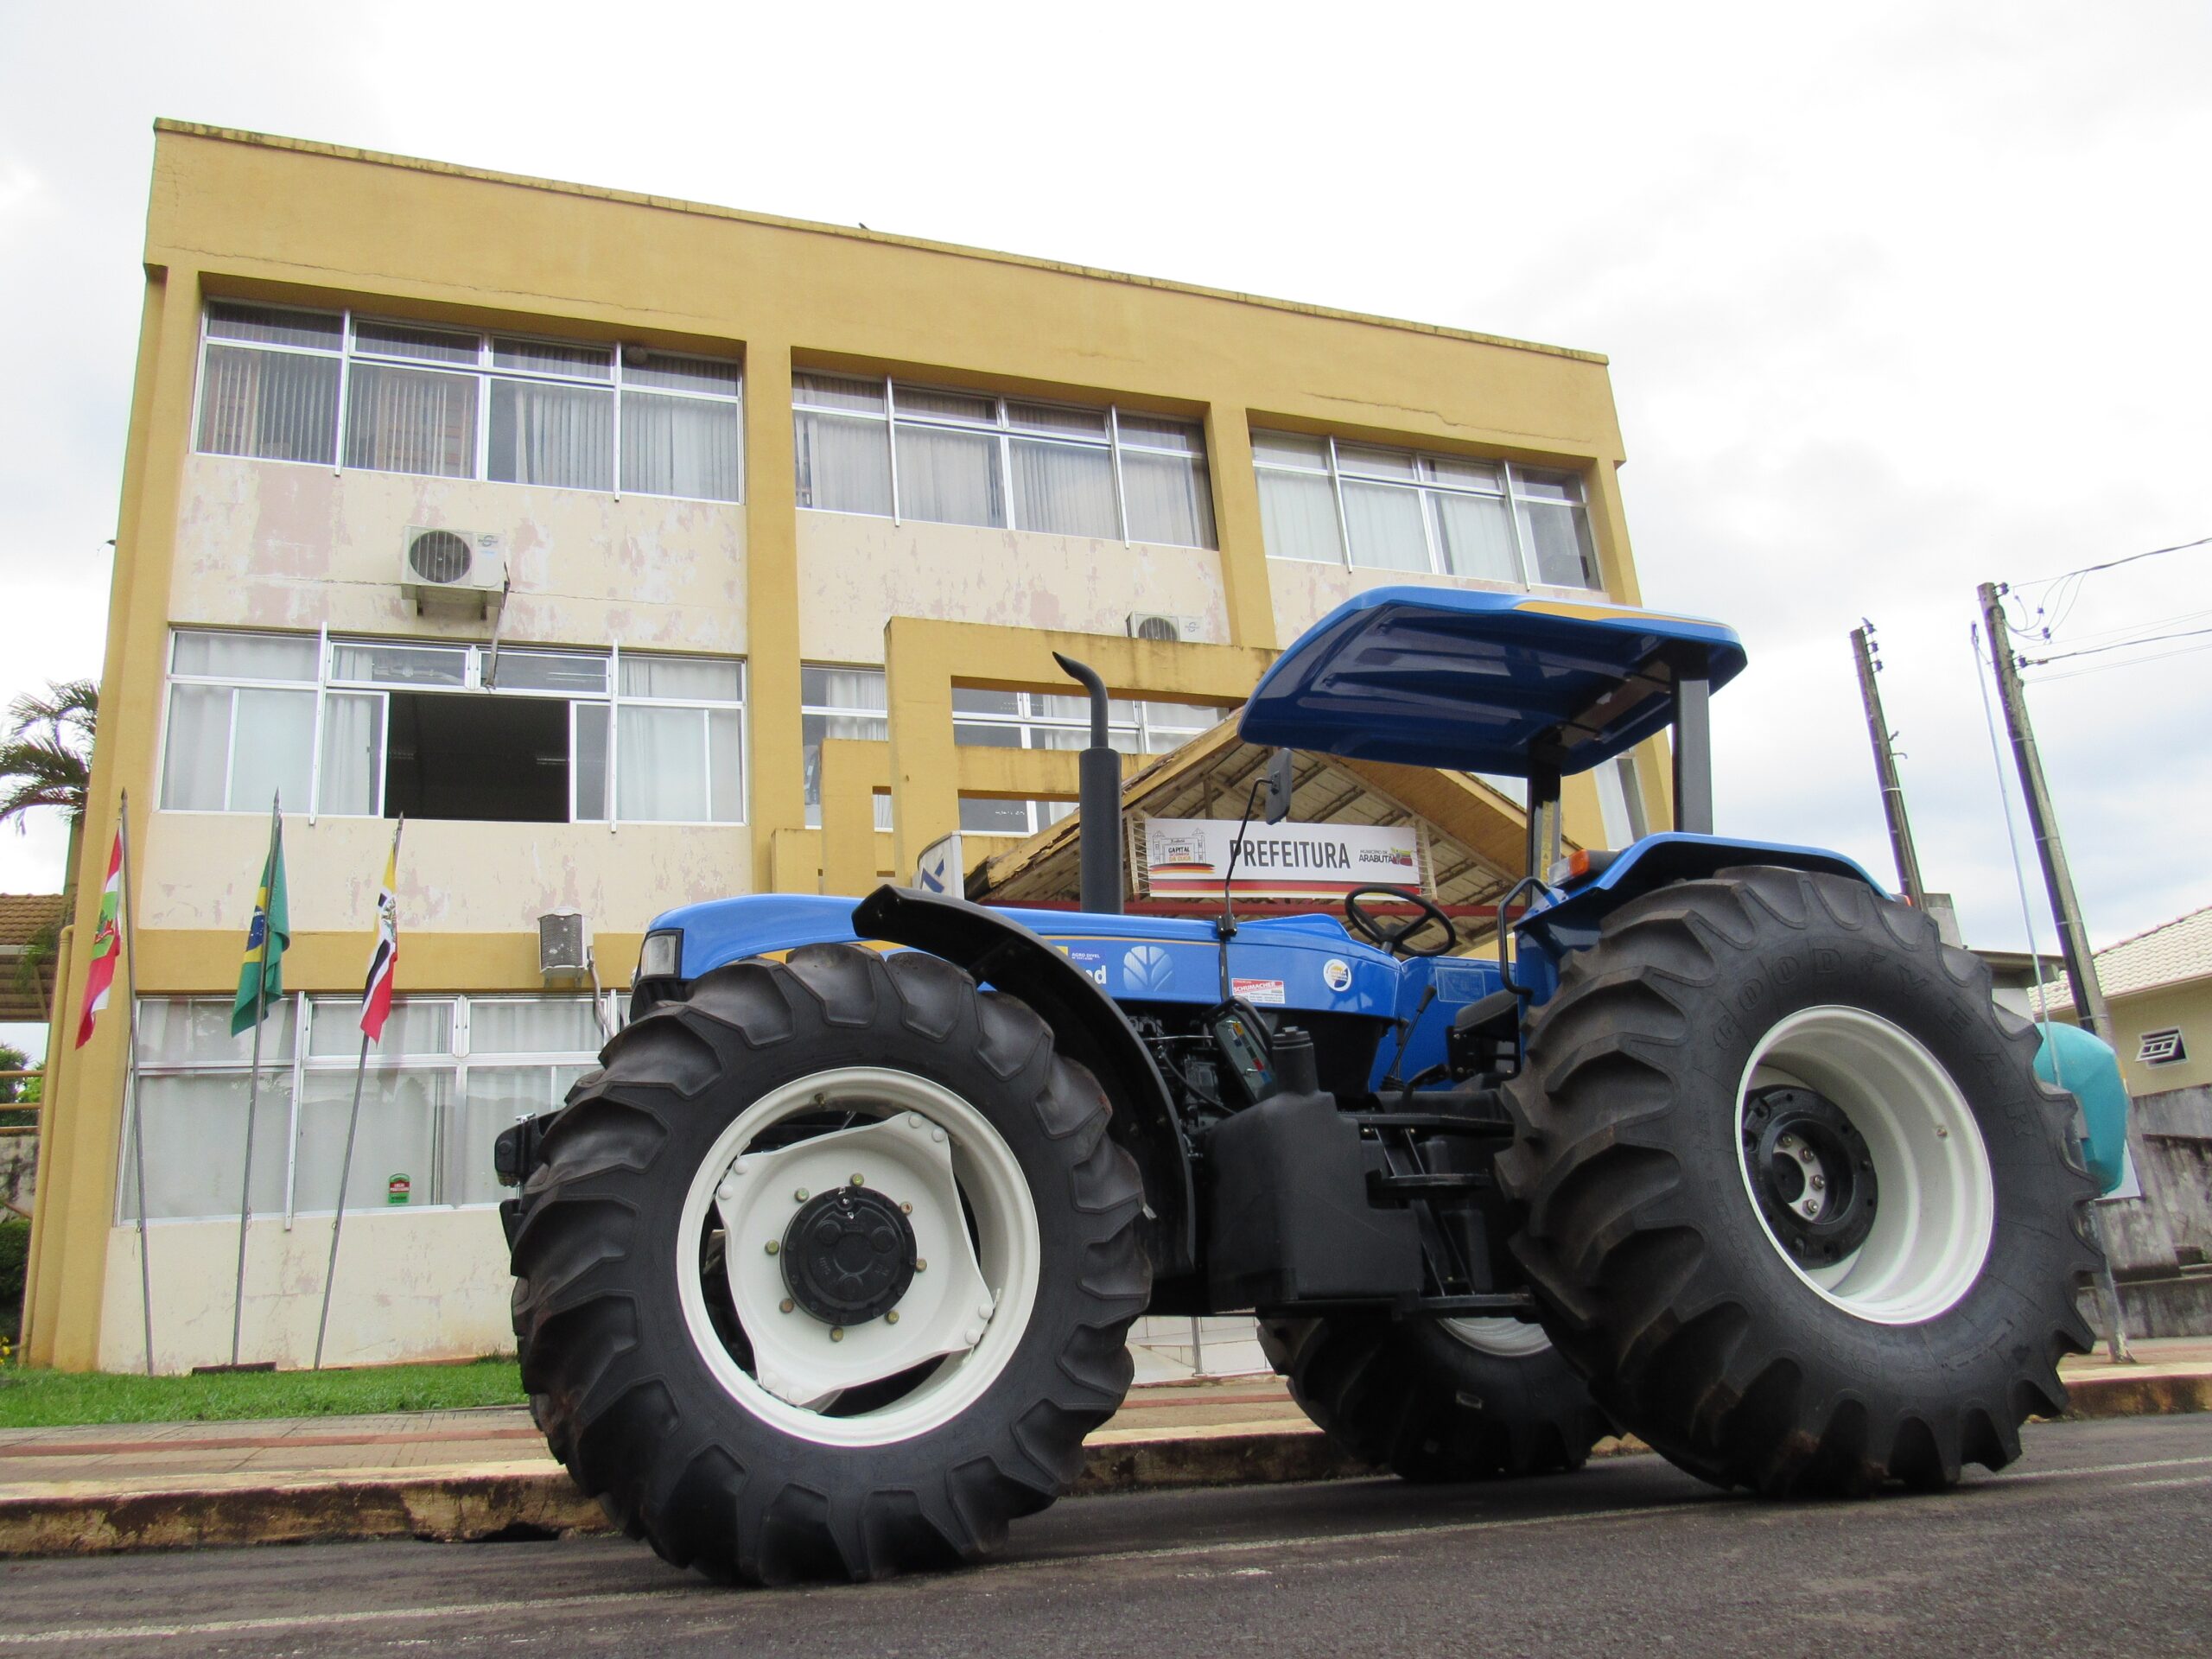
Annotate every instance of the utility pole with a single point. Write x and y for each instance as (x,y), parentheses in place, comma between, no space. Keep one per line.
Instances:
(1885,768)
(2058,881)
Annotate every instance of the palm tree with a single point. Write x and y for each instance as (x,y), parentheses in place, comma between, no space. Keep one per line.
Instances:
(47,761)
(48,758)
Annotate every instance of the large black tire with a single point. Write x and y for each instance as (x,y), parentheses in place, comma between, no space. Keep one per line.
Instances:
(629,1401)
(1410,1397)
(1657,1273)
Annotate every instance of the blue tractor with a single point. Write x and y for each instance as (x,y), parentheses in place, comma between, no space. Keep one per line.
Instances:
(829,1268)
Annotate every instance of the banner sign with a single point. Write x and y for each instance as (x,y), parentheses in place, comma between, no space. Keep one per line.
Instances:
(1185,856)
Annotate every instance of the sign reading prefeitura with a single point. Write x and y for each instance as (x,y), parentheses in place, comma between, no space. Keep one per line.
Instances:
(1277,860)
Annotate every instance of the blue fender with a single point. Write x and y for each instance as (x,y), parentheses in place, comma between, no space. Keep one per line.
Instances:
(2085,1066)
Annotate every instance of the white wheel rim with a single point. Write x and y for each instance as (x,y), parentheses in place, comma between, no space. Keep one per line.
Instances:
(1937,1202)
(1503,1338)
(917,1143)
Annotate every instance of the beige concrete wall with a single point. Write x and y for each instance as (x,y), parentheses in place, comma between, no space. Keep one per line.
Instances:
(412,1284)
(2189,1006)
(855,572)
(282,545)
(200,870)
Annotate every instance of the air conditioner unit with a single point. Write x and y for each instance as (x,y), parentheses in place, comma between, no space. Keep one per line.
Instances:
(563,944)
(1158,625)
(453,566)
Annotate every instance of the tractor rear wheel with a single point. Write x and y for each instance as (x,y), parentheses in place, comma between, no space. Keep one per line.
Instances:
(829,1272)
(1438,1400)
(1795,1201)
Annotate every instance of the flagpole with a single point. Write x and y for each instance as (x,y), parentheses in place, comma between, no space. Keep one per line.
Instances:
(345,1166)
(130,1068)
(253,1087)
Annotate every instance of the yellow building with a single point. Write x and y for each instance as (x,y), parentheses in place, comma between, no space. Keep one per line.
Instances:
(571,523)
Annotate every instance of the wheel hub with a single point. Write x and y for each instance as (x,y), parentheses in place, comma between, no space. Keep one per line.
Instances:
(848,1255)
(1811,1173)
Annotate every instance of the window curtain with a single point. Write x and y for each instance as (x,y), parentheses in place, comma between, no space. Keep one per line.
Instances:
(352,754)
(398,1133)
(844,466)
(195,1144)
(950,477)
(662,759)
(1477,537)
(274,751)
(270,405)
(1065,489)
(1298,517)
(198,755)
(411,421)
(1168,500)
(561,435)
(679,446)
(1386,527)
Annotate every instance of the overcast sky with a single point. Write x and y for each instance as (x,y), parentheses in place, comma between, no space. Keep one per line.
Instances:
(1898,298)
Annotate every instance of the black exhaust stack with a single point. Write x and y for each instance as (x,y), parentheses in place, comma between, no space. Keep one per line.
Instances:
(1101,801)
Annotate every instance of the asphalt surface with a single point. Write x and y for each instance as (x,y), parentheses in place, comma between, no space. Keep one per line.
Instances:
(2094,1543)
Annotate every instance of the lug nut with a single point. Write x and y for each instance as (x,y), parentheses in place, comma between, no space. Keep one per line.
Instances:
(1806,1153)
(836,1333)
(891,1317)
(1817,1182)
(906,1209)
(859,1179)
(799,1195)
(920,1266)
(786,1306)
(1942,1134)
(773,1247)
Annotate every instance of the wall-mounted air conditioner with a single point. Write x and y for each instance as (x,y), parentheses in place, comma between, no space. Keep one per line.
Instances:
(1159,624)
(453,566)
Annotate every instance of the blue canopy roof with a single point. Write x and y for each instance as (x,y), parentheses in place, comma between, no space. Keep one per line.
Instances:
(1482,681)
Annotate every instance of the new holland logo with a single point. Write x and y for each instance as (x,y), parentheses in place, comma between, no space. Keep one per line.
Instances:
(1148,967)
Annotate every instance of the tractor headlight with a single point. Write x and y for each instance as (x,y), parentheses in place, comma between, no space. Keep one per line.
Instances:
(663,956)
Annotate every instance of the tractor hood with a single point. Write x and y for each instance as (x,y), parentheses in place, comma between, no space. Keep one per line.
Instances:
(1484,682)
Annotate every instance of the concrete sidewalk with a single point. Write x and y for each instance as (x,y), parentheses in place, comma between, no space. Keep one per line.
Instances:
(486,1472)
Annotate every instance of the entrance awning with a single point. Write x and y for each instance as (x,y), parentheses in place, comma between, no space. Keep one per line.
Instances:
(1472,837)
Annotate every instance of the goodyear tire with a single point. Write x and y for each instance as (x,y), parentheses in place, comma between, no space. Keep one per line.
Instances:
(1796,1202)
(829,1271)
(1438,1400)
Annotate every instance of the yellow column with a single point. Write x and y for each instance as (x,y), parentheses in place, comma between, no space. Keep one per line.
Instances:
(853,769)
(778,785)
(81,1124)
(1236,524)
(917,667)
(1609,530)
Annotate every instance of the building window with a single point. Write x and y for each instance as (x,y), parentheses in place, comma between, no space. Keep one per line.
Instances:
(389,728)
(273,383)
(840,703)
(1378,509)
(902,451)
(1038,720)
(449,1074)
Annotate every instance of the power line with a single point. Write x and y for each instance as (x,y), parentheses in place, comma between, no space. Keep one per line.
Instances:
(2117,645)
(2132,662)
(2115,564)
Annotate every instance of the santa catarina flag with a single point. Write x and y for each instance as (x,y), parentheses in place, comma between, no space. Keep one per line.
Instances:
(107,943)
(384,958)
(261,974)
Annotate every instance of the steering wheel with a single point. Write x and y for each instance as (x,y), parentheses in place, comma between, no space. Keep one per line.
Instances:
(1370,927)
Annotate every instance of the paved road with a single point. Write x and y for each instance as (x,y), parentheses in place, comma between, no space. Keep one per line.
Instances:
(2095,1544)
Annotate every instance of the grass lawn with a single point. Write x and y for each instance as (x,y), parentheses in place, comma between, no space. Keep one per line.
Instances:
(41,1398)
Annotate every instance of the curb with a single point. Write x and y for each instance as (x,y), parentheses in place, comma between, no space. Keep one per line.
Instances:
(535,1499)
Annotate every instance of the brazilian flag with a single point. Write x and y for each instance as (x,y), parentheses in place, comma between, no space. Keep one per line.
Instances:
(261,974)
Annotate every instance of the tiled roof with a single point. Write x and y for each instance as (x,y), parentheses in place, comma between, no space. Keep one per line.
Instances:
(2166,954)
(22,915)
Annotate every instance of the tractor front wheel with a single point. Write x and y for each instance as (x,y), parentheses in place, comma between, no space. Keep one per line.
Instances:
(828,1273)
(1438,1399)
(1796,1202)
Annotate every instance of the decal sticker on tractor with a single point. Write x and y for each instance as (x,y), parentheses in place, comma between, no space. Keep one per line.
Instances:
(1336,974)
(1259,992)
